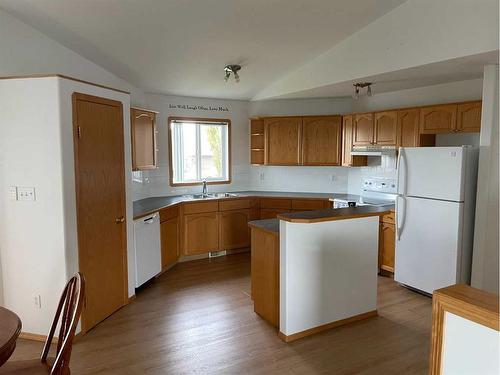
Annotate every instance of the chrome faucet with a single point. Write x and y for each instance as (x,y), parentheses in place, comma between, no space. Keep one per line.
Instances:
(204,191)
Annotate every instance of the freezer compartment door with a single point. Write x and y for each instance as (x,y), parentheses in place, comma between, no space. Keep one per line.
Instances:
(428,245)
(432,172)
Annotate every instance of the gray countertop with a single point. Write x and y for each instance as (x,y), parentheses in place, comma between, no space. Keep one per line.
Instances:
(146,206)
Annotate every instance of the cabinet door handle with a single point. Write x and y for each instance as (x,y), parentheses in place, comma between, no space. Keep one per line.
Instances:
(119,220)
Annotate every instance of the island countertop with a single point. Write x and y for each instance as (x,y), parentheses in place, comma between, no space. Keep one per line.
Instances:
(336,214)
(272,225)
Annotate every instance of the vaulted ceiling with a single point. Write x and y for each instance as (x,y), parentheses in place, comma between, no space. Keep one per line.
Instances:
(180,47)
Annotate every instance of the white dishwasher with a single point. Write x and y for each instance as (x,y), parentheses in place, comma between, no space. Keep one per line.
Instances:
(147,248)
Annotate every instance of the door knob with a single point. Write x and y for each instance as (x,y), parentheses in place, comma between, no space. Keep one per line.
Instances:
(119,220)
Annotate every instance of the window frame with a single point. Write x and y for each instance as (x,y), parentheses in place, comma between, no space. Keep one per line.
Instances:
(172,119)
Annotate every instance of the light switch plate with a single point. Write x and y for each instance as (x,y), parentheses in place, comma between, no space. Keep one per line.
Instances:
(26,193)
(13,193)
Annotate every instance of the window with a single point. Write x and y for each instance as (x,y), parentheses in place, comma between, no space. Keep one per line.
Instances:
(199,150)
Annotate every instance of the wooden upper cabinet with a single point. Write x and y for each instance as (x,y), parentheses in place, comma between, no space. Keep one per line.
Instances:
(438,119)
(321,140)
(408,127)
(386,128)
(143,129)
(469,117)
(257,141)
(363,130)
(347,159)
(283,135)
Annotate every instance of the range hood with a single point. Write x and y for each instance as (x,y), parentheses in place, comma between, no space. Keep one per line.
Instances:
(373,150)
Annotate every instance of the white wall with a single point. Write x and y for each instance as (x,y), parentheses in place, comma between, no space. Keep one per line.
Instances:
(38,240)
(485,274)
(32,242)
(26,51)
(443,93)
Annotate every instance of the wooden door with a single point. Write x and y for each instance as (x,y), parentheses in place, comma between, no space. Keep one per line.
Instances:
(386,128)
(283,140)
(100,195)
(387,246)
(201,233)
(234,230)
(321,140)
(347,159)
(408,127)
(363,130)
(169,242)
(469,117)
(438,119)
(143,126)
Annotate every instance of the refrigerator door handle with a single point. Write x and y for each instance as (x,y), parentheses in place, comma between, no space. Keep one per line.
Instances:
(400,216)
(402,168)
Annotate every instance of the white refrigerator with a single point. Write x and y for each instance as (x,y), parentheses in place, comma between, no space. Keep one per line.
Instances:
(435,216)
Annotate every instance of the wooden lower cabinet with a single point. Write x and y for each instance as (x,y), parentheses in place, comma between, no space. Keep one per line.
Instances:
(169,242)
(201,233)
(387,245)
(265,274)
(272,213)
(234,231)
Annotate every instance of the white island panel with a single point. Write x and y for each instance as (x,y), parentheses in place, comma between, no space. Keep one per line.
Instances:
(328,272)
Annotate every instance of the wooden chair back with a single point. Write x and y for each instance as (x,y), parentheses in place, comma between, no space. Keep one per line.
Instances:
(67,316)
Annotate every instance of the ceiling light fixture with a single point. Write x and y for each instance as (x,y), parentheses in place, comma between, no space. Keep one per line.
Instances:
(228,69)
(362,85)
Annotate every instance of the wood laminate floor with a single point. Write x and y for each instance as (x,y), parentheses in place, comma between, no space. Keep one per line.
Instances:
(198,319)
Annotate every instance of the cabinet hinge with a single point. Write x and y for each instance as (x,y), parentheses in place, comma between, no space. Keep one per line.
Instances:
(79,132)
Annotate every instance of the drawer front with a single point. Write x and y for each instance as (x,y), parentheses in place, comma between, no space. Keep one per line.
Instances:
(309,204)
(272,213)
(234,204)
(169,213)
(200,207)
(275,203)
(388,218)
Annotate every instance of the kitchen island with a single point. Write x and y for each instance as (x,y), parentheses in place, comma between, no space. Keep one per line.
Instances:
(316,270)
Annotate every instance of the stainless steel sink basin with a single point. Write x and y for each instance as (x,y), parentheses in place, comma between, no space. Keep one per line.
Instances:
(224,195)
(214,195)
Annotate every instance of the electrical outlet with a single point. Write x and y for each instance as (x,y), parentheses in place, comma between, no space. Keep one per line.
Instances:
(332,178)
(38,301)
(261,176)
(13,193)
(26,193)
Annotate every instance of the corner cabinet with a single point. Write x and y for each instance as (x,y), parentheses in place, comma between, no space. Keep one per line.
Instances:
(169,231)
(321,140)
(469,117)
(283,138)
(143,130)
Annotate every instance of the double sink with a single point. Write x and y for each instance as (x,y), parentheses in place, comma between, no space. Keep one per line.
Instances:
(213,195)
